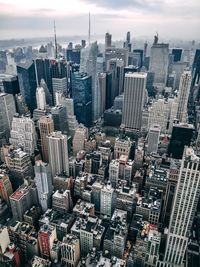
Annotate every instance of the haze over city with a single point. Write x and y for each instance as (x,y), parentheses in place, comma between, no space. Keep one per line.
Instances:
(172,19)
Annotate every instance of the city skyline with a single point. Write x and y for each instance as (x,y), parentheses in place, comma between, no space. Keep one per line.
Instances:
(35,19)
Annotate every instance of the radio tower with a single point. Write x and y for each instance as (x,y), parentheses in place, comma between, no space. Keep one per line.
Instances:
(56,48)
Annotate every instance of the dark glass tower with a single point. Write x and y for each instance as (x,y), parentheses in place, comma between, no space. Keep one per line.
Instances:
(10,84)
(27,83)
(43,72)
(177,52)
(181,136)
(82,96)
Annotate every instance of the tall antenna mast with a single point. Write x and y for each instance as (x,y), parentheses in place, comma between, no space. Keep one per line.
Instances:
(89,31)
(56,48)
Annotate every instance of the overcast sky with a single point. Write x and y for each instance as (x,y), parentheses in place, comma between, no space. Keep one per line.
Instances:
(34,18)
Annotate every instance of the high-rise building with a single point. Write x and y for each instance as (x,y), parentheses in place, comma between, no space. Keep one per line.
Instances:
(59,116)
(5,187)
(23,134)
(183,95)
(82,97)
(46,236)
(46,127)
(177,53)
(181,136)
(23,199)
(4,239)
(184,208)
(62,201)
(70,250)
(106,203)
(27,83)
(81,134)
(108,40)
(134,91)
(153,139)
(43,181)
(59,85)
(101,84)
(40,98)
(43,71)
(115,52)
(9,84)
(48,95)
(114,172)
(159,61)
(7,111)
(58,153)
(89,65)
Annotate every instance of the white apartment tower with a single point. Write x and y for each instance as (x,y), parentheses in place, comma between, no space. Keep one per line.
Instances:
(183,210)
(40,98)
(58,153)
(134,91)
(23,134)
(106,200)
(183,95)
(43,181)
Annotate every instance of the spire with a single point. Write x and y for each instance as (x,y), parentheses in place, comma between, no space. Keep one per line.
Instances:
(56,48)
(36,73)
(89,31)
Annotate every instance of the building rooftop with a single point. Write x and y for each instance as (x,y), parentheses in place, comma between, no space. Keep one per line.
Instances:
(22,190)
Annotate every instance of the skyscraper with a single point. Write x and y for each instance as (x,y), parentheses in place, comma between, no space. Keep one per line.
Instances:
(5,187)
(43,181)
(40,98)
(23,134)
(134,91)
(89,65)
(82,96)
(27,83)
(177,52)
(7,111)
(183,95)
(108,40)
(59,116)
(9,84)
(46,126)
(58,153)
(184,207)
(153,138)
(81,134)
(159,61)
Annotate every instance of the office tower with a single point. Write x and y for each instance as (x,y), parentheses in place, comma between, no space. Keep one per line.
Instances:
(46,127)
(23,134)
(83,43)
(114,172)
(82,97)
(183,95)
(9,84)
(7,111)
(108,40)
(106,202)
(134,90)
(62,201)
(89,65)
(5,187)
(184,208)
(119,53)
(153,139)
(70,250)
(178,68)
(27,83)
(159,61)
(181,136)
(19,165)
(21,107)
(46,236)
(59,85)
(128,37)
(58,68)
(23,199)
(59,116)
(74,54)
(43,71)
(58,153)
(116,68)
(43,181)
(81,134)
(48,95)
(40,98)
(68,103)
(109,90)
(101,85)
(177,53)
(138,57)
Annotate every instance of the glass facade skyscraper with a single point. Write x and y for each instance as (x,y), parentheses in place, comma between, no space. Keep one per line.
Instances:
(82,95)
